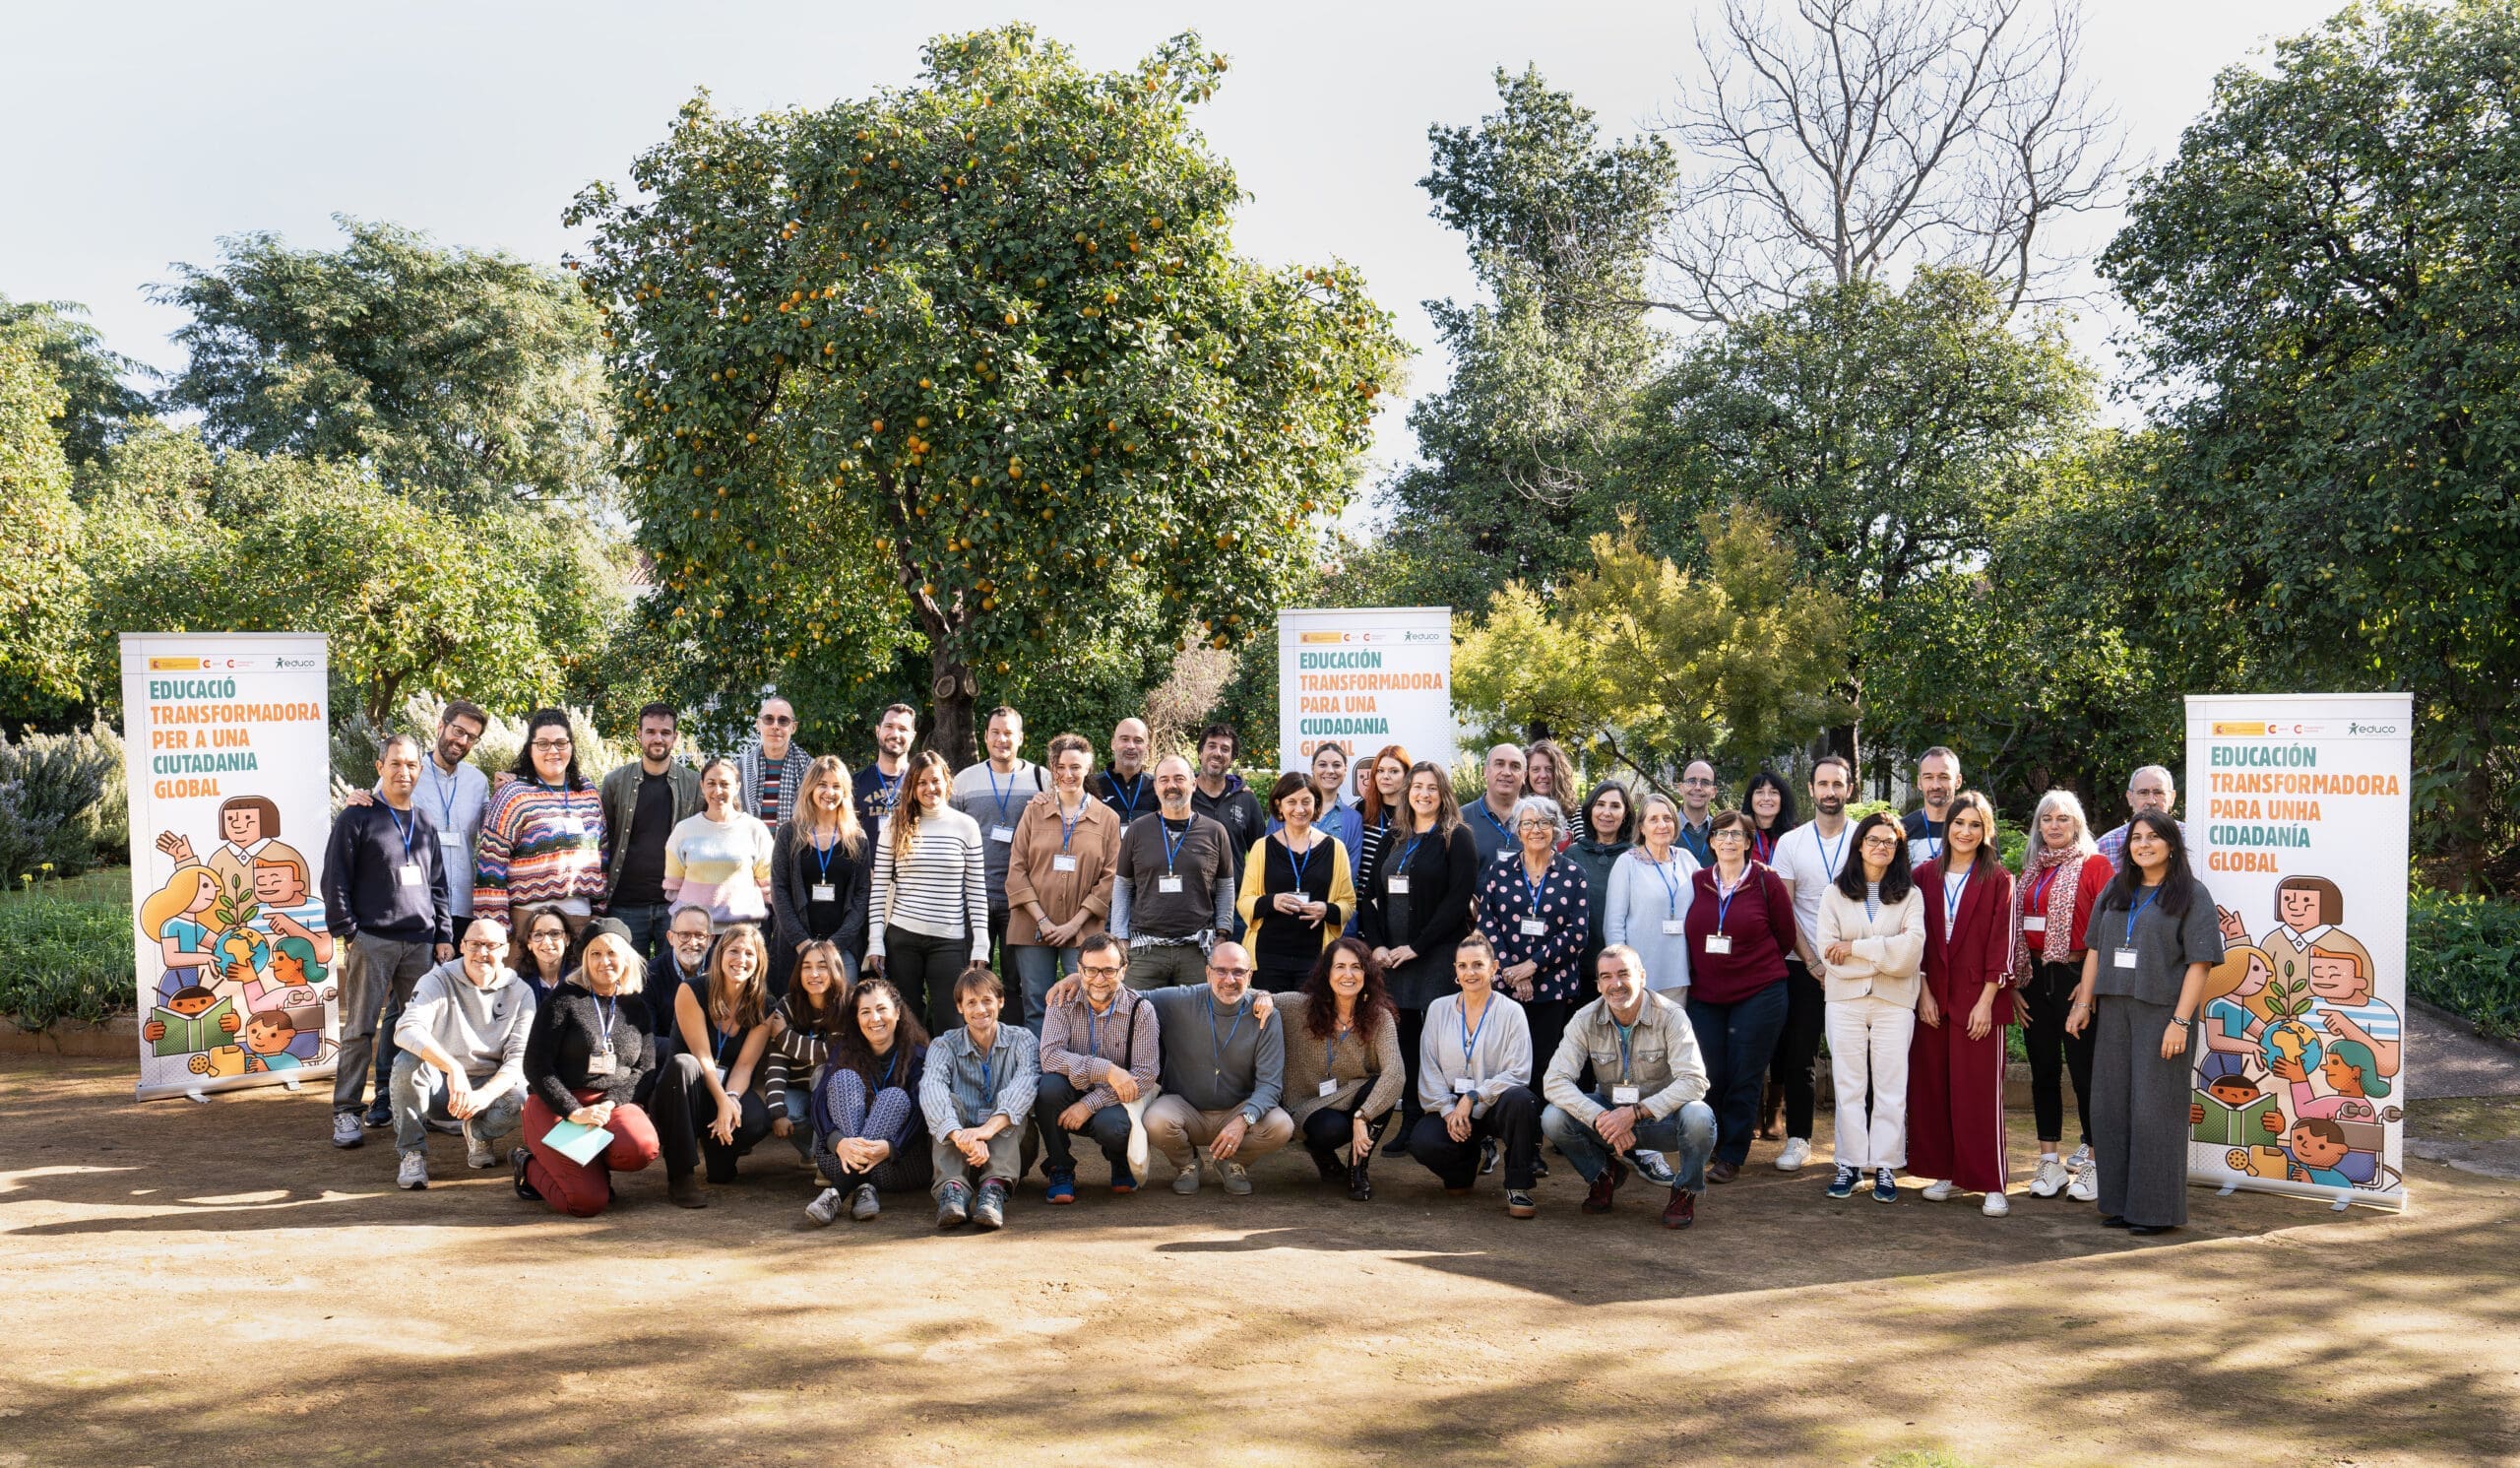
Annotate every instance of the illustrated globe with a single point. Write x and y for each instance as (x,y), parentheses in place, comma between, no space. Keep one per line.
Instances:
(2293,1039)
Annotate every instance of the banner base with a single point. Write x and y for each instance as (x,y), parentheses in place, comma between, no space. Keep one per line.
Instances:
(2338,1200)
(201,1090)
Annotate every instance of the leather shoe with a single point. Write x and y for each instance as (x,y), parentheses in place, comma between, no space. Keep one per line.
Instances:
(1680,1211)
(1359,1187)
(1598,1199)
(1719,1171)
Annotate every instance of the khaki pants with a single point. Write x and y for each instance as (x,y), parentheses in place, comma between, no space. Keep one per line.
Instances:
(1174,1126)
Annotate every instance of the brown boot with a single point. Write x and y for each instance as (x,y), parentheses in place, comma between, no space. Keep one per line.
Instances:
(686,1192)
(1772,1113)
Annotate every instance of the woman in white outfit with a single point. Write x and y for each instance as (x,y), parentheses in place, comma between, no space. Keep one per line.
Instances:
(1872,949)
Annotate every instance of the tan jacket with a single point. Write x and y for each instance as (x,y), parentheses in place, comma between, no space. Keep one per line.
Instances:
(1032,874)
(1889,943)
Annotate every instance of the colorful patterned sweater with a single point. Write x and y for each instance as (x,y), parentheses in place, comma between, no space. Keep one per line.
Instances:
(540,845)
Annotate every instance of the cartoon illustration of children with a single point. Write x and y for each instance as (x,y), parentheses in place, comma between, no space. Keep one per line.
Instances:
(295,984)
(246,824)
(173,916)
(267,1040)
(196,1025)
(2233,1027)
(2238,1097)
(281,884)
(2342,1000)
(2315,1146)
(2307,910)
(2350,1072)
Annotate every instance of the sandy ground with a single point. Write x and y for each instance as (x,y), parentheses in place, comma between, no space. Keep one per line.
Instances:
(194,1284)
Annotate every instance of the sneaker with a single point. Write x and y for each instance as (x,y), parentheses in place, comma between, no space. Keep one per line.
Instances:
(1062,1188)
(1842,1184)
(448,1127)
(1519,1204)
(1236,1176)
(1186,1180)
(1797,1154)
(415,1171)
(954,1205)
(347,1132)
(1938,1190)
(824,1208)
(1651,1166)
(988,1212)
(1681,1210)
(1885,1187)
(2079,1159)
(1539,1166)
(477,1150)
(1487,1156)
(862,1204)
(524,1189)
(2050,1180)
(1123,1181)
(1994,1206)
(1598,1200)
(379,1116)
(2085,1188)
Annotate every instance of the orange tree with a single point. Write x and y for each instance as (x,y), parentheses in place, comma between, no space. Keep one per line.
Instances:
(970,365)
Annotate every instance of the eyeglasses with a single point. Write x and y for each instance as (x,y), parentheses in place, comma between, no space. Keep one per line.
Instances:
(552,746)
(777,720)
(1230,973)
(482,945)
(1728,833)
(1881,843)
(1539,825)
(1699,780)
(1098,970)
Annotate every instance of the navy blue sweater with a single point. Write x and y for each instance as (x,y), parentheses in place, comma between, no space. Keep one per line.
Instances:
(363,891)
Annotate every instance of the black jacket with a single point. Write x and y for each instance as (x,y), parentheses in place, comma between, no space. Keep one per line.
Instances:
(363,891)
(1432,918)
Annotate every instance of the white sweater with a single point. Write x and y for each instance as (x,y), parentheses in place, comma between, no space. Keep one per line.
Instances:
(939,892)
(1888,943)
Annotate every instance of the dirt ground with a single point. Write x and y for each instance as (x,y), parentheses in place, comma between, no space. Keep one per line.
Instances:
(194,1284)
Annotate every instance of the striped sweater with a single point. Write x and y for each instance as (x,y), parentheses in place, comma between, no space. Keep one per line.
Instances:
(540,845)
(941,890)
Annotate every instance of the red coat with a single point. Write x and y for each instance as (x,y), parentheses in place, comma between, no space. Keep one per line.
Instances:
(1978,947)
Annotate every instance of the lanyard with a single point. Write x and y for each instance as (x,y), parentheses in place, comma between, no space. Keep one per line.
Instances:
(1871,907)
(605,1013)
(997,795)
(1173,844)
(1670,884)
(402,827)
(717,1041)
(1762,845)
(1297,861)
(445,784)
(1502,829)
(1821,842)
(1951,894)
(2038,889)
(2137,911)
(1533,887)
(891,1063)
(1470,1036)
(1215,1046)
(1128,802)
(888,789)
(822,856)
(1067,823)
(988,1072)
(1723,895)
(1411,850)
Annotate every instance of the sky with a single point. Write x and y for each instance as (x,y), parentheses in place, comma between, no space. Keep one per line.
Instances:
(142,133)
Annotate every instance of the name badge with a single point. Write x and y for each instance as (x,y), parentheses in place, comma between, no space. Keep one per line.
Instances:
(1464,1086)
(1399,886)
(1625,1094)
(1167,884)
(2032,922)
(1063,862)
(410,875)
(1673,928)
(1001,833)
(826,892)
(451,840)
(2126,958)
(1532,928)
(1719,943)
(722,1072)
(600,1063)
(1329,1088)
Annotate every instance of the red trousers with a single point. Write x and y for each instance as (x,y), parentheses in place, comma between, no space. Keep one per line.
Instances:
(583,1189)
(1956,1104)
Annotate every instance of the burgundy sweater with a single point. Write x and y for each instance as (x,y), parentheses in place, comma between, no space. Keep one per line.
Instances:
(1760,922)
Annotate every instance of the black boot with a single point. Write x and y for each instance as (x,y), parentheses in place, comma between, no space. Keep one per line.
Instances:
(1326,1160)
(1359,1187)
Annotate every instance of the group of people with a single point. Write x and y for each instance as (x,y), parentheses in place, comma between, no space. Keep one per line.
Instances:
(932,980)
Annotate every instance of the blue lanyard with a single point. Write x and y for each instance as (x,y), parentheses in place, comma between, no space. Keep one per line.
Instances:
(717,1041)
(1296,861)
(1173,846)
(1535,885)
(1067,823)
(1837,866)
(997,795)
(1410,851)
(892,1062)
(1933,845)
(1670,884)
(1128,803)
(2038,889)
(2137,911)
(1762,845)
(1470,1036)
(1215,1046)
(606,1015)
(445,795)
(822,858)
(402,827)
(888,789)
(1502,829)
(1951,894)
(1871,909)
(988,1072)
(1723,896)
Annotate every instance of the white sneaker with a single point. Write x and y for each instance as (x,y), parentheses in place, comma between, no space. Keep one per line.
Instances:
(2085,1188)
(415,1171)
(1186,1180)
(1938,1190)
(1796,1156)
(346,1130)
(823,1209)
(1652,1167)
(2079,1159)
(1995,1206)
(2050,1180)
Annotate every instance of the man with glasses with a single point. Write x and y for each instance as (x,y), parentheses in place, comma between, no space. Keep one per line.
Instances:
(1100,1052)
(462,1054)
(1649,1089)
(684,961)
(877,788)
(1222,1071)
(1697,812)
(642,804)
(772,769)
(1938,781)
(2148,789)
(1173,885)
(456,795)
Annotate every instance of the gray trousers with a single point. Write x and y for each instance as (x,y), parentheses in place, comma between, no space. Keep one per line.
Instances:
(1165,966)
(1005,1162)
(2139,1113)
(420,1094)
(379,970)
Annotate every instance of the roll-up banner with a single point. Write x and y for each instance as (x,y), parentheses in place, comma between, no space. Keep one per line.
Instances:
(2297,819)
(1365,678)
(225,740)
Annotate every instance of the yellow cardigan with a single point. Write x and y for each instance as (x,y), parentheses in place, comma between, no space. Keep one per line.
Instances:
(1255,876)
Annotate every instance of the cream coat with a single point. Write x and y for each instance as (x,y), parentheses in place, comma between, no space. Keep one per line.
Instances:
(1889,948)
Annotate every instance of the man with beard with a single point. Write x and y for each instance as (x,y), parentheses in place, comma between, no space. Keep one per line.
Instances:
(1808,858)
(1172,887)
(1938,781)
(1223,798)
(1124,784)
(878,786)
(772,771)
(642,803)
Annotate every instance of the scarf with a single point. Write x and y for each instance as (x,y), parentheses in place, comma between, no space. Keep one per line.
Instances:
(2057,942)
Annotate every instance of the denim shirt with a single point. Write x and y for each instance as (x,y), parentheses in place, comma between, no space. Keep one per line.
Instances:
(958,1091)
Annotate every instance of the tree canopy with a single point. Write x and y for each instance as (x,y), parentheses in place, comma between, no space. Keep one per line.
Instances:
(40,587)
(98,401)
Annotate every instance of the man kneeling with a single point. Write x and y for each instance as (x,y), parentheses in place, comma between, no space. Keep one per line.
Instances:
(1099,1055)
(462,1038)
(981,1083)
(1644,1054)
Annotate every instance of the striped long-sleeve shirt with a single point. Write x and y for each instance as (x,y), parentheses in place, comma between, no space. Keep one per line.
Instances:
(540,845)
(939,890)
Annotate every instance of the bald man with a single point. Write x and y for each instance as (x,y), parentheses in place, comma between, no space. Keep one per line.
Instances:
(1123,784)
(463,1053)
(1223,1077)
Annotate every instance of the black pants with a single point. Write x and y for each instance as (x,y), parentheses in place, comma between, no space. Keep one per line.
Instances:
(924,968)
(1547,1019)
(1328,1129)
(1412,1024)
(1109,1127)
(1514,1120)
(2047,1000)
(685,1111)
(1798,1046)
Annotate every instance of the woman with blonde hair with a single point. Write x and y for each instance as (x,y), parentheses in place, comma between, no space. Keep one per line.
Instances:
(591,1049)
(173,916)
(928,901)
(820,871)
(2052,896)
(710,1105)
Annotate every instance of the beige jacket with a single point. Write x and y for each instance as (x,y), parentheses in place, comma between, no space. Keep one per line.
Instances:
(1888,943)
(1032,874)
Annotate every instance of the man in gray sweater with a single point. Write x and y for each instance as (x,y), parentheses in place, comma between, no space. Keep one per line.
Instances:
(462,1054)
(1224,1068)
(1649,1088)
(1174,885)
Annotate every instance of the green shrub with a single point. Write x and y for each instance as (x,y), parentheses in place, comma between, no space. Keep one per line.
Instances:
(50,786)
(66,960)
(2463,955)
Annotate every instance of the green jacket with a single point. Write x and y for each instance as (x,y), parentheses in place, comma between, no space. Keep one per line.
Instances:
(620,794)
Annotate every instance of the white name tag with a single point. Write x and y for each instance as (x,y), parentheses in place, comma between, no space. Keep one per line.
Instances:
(451,840)
(1673,928)
(1719,943)
(1001,833)
(1167,884)
(1062,864)
(1399,886)
(1464,1086)
(1532,928)
(2032,922)
(825,892)
(2126,958)
(599,1063)
(410,873)
(1329,1088)
(1625,1094)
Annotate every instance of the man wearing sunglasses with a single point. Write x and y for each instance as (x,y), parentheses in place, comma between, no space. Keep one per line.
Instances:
(773,766)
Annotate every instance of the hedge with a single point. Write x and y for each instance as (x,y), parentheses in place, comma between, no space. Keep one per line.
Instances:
(66,960)
(2463,955)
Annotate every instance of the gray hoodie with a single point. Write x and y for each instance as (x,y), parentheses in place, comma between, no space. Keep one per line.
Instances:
(482,1028)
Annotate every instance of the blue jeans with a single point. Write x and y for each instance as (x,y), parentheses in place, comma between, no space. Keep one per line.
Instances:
(648,922)
(800,1117)
(1037,968)
(1737,1041)
(1688,1131)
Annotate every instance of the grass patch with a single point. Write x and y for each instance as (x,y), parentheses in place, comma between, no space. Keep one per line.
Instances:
(1920,1457)
(2467,1118)
(68,947)
(2462,953)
